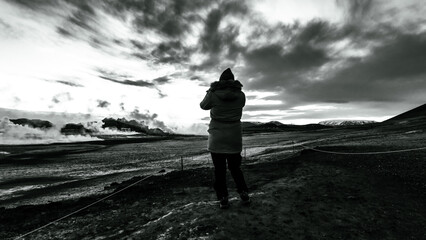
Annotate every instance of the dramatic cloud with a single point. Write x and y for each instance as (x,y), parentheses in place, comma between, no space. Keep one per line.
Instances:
(313,66)
(278,67)
(357,10)
(35,5)
(213,39)
(169,52)
(220,44)
(170,18)
(363,55)
(122,79)
(392,72)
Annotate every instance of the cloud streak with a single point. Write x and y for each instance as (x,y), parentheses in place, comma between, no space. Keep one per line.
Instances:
(137,83)
(71,84)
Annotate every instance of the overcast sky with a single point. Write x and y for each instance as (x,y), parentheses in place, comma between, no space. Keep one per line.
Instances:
(300,61)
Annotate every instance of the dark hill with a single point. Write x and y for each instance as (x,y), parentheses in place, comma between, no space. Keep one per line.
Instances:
(413,113)
(249,124)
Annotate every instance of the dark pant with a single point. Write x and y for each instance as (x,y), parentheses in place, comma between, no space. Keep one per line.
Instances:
(234,163)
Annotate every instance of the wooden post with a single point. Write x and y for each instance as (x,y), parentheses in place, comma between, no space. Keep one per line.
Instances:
(181,168)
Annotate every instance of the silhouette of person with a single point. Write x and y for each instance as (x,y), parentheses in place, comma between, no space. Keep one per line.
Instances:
(225,100)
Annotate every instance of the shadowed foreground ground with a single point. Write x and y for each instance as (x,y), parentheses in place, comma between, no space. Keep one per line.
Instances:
(308,196)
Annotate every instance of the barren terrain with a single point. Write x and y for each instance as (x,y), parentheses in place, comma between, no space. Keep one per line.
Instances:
(297,192)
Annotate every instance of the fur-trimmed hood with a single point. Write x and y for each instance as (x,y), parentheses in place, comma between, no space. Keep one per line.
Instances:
(234,85)
(229,90)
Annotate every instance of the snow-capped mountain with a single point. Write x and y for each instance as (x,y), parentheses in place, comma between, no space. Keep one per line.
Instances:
(345,122)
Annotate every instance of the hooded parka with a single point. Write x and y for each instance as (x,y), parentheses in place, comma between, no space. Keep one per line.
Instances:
(225,100)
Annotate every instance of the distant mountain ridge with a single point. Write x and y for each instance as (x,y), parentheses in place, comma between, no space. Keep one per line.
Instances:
(417,115)
(345,122)
(275,126)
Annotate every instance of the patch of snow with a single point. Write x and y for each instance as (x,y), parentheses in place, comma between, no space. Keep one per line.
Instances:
(345,122)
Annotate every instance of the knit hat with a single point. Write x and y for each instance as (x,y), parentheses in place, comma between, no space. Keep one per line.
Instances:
(226,75)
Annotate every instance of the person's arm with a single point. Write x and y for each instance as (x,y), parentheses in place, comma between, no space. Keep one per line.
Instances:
(244,99)
(206,104)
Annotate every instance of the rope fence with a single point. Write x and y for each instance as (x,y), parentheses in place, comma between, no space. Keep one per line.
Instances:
(83,208)
(181,168)
(364,153)
(206,160)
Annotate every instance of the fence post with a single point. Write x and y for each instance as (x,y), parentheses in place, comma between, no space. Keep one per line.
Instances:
(181,163)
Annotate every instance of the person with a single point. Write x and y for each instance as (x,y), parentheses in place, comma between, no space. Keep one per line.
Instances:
(225,100)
